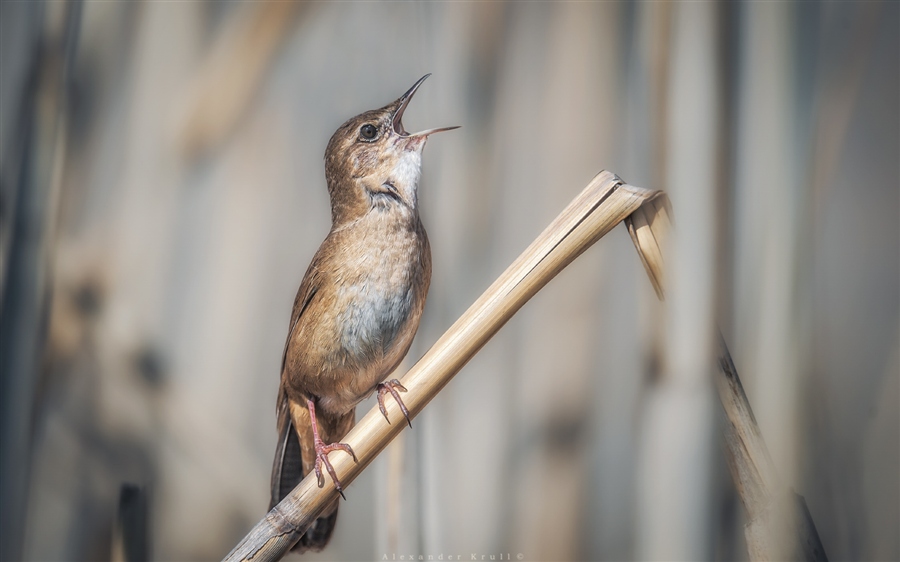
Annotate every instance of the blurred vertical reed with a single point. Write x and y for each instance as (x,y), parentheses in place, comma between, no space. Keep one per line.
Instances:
(779,526)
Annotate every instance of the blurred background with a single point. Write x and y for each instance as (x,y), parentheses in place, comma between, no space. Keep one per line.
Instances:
(163,192)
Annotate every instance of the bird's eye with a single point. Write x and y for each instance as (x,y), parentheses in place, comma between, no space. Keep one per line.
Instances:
(368,132)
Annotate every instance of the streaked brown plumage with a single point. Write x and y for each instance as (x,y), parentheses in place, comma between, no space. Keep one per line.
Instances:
(359,304)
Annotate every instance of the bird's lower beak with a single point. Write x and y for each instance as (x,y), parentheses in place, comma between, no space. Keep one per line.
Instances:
(433,131)
(398,114)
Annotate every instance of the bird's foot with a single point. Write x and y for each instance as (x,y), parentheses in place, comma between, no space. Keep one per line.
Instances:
(322,451)
(392,386)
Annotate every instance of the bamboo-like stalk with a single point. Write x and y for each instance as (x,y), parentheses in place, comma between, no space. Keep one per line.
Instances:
(603,204)
(779,525)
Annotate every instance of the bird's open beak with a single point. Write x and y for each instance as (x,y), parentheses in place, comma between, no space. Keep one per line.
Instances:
(398,114)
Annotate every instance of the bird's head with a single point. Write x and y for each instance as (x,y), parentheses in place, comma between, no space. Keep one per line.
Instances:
(372,162)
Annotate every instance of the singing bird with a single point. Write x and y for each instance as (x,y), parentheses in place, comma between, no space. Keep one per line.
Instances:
(360,301)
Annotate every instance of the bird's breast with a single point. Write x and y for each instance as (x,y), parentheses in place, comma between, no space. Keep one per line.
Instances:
(366,312)
(376,312)
(383,293)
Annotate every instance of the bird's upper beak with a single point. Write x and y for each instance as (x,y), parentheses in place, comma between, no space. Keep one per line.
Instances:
(401,107)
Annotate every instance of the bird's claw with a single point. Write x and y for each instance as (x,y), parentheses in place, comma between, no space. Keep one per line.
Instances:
(392,386)
(322,451)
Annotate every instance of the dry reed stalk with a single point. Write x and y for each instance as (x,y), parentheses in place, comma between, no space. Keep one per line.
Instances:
(779,526)
(603,204)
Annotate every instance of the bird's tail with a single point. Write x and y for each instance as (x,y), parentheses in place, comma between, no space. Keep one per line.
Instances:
(288,471)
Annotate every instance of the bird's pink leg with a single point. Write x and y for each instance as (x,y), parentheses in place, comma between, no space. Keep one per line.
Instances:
(322,450)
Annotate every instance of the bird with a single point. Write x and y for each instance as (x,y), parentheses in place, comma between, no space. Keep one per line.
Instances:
(359,303)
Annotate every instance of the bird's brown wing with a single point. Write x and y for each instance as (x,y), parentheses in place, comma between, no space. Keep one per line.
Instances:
(287,468)
(305,294)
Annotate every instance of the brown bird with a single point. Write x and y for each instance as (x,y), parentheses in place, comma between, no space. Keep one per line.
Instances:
(359,304)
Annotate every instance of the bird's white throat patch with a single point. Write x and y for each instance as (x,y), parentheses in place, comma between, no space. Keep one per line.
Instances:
(405,175)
